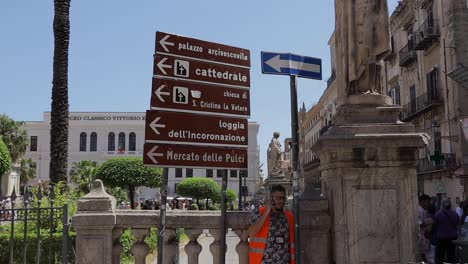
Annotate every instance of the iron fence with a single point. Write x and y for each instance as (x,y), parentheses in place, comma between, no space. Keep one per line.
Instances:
(34,232)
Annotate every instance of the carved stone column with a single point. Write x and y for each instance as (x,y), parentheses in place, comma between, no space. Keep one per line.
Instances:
(117,248)
(368,169)
(94,223)
(140,249)
(215,247)
(242,247)
(170,246)
(193,248)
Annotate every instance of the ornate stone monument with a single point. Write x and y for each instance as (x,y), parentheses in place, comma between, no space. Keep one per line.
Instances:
(368,158)
(275,159)
(275,156)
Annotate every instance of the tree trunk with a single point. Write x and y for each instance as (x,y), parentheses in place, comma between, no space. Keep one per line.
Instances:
(59,108)
(131,194)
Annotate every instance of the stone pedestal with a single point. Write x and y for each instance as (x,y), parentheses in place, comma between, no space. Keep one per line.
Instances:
(94,234)
(368,170)
(277,180)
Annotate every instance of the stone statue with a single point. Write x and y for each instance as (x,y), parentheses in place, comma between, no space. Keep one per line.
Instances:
(274,156)
(362,39)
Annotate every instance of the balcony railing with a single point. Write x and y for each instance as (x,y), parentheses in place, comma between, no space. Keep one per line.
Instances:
(440,162)
(421,104)
(427,34)
(324,129)
(407,54)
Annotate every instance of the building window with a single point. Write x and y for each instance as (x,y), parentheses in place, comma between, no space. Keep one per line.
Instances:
(93,142)
(413,98)
(233,174)
(83,137)
(209,173)
(394,93)
(111,142)
(243,173)
(437,137)
(219,173)
(178,173)
(132,142)
(175,187)
(189,173)
(433,84)
(33,146)
(121,142)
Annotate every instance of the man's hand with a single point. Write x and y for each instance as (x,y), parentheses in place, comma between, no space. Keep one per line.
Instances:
(255,227)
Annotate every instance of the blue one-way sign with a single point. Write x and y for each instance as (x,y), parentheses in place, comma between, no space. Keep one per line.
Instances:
(291,64)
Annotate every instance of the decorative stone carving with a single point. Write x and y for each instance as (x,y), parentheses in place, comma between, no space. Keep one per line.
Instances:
(275,158)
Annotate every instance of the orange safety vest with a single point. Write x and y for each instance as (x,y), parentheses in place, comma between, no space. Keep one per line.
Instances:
(258,243)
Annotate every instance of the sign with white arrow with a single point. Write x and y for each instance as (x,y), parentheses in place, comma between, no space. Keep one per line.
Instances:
(189,97)
(291,64)
(185,128)
(171,67)
(194,48)
(189,156)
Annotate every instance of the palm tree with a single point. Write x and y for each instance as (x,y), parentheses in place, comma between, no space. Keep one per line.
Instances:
(83,174)
(59,107)
(14,136)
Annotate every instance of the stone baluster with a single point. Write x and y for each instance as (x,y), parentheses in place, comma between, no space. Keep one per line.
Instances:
(117,247)
(215,247)
(242,247)
(193,248)
(170,246)
(140,248)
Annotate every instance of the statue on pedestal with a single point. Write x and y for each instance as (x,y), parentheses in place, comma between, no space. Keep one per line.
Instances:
(275,156)
(363,39)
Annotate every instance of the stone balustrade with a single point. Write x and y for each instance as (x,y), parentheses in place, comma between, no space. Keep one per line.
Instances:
(99,227)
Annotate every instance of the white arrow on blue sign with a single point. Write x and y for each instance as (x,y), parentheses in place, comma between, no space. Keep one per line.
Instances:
(291,64)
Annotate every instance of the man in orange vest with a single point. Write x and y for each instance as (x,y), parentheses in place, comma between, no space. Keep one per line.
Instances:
(272,231)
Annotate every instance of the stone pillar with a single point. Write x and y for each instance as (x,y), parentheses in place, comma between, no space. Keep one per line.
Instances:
(94,223)
(368,169)
(215,247)
(170,246)
(140,249)
(193,248)
(315,237)
(242,247)
(117,246)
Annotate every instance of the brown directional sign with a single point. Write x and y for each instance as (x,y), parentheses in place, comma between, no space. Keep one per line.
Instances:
(191,97)
(195,48)
(201,72)
(169,155)
(167,127)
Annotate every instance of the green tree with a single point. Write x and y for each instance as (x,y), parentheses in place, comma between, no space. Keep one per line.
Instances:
(14,136)
(231,195)
(83,173)
(27,170)
(5,159)
(199,188)
(59,105)
(128,172)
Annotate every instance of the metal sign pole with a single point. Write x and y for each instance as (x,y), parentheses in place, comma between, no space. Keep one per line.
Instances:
(223,218)
(162,215)
(294,157)
(240,190)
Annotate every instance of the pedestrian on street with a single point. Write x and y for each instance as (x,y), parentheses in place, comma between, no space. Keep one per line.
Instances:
(272,231)
(446,222)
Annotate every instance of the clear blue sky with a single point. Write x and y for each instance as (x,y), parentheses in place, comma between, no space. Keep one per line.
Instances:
(112,46)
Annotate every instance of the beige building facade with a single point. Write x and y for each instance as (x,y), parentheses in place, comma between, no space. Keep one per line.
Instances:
(426,74)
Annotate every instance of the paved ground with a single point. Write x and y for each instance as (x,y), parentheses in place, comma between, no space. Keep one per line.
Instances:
(205,255)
